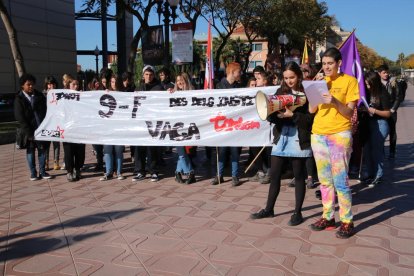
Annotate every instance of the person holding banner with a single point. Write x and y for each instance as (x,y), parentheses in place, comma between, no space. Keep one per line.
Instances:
(332,144)
(184,165)
(233,72)
(164,75)
(51,83)
(113,151)
(251,82)
(292,131)
(74,152)
(149,83)
(375,128)
(29,111)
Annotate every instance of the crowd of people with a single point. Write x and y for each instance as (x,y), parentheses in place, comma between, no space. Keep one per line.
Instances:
(315,142)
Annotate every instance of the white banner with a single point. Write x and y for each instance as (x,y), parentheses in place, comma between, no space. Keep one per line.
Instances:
(157,118)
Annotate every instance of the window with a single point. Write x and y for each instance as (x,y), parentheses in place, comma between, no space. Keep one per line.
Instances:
(257,47)
(253,64)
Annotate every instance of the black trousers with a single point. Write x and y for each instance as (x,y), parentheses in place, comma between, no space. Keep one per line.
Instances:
(298,165)
(99,154)
(74,156)
(311,167)
(392,123)
(146,155)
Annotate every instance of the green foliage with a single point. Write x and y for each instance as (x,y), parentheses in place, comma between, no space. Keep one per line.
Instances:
(139,65)
(298,20)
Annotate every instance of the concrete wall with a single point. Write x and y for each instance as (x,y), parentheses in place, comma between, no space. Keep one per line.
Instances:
(47,37)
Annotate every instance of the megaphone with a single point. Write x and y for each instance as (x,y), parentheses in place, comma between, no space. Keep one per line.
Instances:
(267,104)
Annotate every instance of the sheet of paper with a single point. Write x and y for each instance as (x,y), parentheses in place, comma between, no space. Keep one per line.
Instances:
(364,101)
(314,91)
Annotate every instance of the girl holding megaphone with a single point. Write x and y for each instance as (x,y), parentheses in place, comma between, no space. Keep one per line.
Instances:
(292,132)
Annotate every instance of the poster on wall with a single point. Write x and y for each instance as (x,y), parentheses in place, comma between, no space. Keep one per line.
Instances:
(182,43)
(153,45)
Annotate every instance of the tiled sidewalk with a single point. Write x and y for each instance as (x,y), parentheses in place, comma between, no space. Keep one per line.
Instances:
(52,227)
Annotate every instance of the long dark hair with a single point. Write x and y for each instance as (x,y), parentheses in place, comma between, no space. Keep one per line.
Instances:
(375,86)
(295,68)
(49,79)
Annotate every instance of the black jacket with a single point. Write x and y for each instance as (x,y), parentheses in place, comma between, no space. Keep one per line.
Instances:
(301,118)
(224,84)
(394,91)
(167,85)
(25,114)
(155,85)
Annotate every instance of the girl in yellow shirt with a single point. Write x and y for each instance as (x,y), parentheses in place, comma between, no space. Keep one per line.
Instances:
(331,142)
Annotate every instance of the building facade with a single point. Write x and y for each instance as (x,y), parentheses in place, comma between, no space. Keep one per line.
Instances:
(47,37)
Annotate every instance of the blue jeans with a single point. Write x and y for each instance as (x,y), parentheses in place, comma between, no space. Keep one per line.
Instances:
(374,147)
(56,151)
(41,155)
(183,162)
(109,153)
(234,157)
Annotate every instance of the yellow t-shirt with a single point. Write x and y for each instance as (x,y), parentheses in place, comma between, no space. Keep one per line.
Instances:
(328,120)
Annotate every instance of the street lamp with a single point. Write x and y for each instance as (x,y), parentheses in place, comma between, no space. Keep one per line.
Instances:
(96,53)
(165,11)
(283,40)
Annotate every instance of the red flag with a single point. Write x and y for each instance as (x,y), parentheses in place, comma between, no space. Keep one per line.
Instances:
(209,77)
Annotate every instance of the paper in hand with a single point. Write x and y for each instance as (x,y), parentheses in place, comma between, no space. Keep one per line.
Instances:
(314,91)
(364,101)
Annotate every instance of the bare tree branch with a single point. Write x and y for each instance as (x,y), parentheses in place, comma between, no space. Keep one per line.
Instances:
(14,43)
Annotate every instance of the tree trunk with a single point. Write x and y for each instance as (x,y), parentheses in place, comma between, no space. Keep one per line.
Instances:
(14,44)
(133,50)
(247,58)
(219,50)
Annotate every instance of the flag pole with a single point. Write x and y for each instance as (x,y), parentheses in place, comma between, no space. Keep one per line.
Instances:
(251,163)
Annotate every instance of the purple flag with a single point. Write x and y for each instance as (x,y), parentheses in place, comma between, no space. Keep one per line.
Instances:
(351,64)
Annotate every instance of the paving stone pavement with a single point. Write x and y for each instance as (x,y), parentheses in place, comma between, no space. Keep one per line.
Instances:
(52,227)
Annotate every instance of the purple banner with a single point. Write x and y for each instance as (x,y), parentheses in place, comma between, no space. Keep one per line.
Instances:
(351,63)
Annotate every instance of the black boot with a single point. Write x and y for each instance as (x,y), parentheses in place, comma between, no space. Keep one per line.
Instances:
(191,178)
(178,178)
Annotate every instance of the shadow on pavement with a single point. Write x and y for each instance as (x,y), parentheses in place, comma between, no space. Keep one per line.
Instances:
(37,245)
(397,187)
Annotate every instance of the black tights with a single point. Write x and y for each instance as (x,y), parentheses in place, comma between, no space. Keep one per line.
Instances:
(298,165)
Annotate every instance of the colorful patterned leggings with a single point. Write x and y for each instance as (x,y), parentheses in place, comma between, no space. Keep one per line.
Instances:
(332,153)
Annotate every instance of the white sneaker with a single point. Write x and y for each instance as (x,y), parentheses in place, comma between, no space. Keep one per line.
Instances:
(154,177)
(138,177)
(105,177)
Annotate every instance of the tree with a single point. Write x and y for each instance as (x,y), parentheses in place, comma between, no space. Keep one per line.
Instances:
(409,63)
(298,20)
(249,22)
(224,13)
(140,9)
(14,43)
(191,9)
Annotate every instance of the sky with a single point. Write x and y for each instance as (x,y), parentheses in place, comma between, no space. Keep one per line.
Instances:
(383,25)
